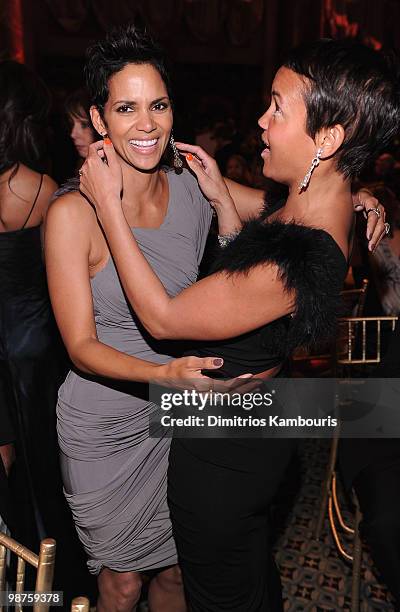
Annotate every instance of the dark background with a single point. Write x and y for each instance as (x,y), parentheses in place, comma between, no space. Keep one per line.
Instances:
(224,52)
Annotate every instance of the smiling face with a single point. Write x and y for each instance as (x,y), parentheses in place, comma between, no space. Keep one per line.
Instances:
(289,150)
(137,116)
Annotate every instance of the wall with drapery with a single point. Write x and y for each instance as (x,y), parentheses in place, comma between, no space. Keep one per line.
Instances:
(204,19)
(220,31)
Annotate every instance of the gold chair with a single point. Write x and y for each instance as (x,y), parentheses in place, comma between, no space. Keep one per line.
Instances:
(352,349)
(354,300)
(353,306)
(44,563)
(80,604)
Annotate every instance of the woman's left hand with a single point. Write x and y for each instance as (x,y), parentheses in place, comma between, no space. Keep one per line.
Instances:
(365,201)
(101,181)
(208,175)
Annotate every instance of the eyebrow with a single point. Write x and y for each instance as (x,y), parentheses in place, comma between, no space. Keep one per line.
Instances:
(133,102)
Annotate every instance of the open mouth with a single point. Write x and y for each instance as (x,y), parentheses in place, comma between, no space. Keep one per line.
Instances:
(266,149)
(144,146)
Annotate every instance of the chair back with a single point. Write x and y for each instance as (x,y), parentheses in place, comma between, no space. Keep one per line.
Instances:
(359,339)
(43,563)
(354,300)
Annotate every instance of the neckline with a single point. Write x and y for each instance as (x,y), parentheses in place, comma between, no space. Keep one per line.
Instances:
(135,229)
(21,229)
(167,212)
(281,203)
(346,262)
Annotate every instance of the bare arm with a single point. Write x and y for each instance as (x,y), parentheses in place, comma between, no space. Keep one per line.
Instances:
(67,247)
(249,202)
(49,187)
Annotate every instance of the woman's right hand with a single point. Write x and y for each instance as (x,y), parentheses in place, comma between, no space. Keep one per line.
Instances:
(101,183)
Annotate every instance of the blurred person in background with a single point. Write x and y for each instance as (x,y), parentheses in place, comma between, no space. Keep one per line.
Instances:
(82,132)
(387,171)
(237,170)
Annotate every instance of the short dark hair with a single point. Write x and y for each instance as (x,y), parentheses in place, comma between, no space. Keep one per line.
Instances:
(354,86)
(24,108)
(122,46)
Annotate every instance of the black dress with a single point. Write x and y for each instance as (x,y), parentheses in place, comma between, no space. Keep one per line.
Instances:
(31,369)
(220,490)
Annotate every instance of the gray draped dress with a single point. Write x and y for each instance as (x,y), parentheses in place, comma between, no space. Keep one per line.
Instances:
(115,476)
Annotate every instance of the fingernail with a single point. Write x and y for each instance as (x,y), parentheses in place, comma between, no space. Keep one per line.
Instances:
(218,362)
(107,140)
(368,236)
(189,156)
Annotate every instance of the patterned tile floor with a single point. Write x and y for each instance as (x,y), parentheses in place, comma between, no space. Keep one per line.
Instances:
(314,577)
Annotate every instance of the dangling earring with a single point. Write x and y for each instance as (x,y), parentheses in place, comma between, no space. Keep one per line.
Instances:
(315,162)
(178,163)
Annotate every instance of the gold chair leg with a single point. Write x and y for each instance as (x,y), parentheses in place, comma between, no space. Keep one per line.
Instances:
(80,604)
(357,558)
(3,557)
(326,486)
(44,579)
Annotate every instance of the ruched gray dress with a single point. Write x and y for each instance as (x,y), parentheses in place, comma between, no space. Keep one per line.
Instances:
(115,476)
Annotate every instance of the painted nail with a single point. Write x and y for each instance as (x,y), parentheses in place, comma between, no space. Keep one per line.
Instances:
(189,156)
(218,362)
(107,140)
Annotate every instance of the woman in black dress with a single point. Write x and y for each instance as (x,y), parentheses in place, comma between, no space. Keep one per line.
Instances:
(274,287)
(29,368)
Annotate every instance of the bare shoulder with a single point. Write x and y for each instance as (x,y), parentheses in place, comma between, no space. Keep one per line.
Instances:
(25,182)
(73,211)
(49,186)
(31,184)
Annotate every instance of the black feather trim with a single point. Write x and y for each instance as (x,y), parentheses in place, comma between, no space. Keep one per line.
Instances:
(310,263)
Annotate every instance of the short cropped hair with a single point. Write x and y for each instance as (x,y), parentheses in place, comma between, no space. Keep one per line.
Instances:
(352,85)
(122,46)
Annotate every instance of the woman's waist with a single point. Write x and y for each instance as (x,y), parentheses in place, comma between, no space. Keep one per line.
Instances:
(126,337)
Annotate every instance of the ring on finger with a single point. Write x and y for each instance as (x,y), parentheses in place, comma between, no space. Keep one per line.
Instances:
(376,211)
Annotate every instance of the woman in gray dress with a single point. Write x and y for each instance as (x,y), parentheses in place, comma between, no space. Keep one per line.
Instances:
(114,474)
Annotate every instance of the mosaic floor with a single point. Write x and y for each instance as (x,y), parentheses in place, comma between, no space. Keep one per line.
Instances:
(314,577)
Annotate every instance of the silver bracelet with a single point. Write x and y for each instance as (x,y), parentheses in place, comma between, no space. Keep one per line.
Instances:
(225,239)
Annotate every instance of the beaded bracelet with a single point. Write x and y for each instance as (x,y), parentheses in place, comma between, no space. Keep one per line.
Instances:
(225,239)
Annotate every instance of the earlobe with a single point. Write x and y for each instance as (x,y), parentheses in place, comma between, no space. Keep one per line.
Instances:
(332,140)
(97,121)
